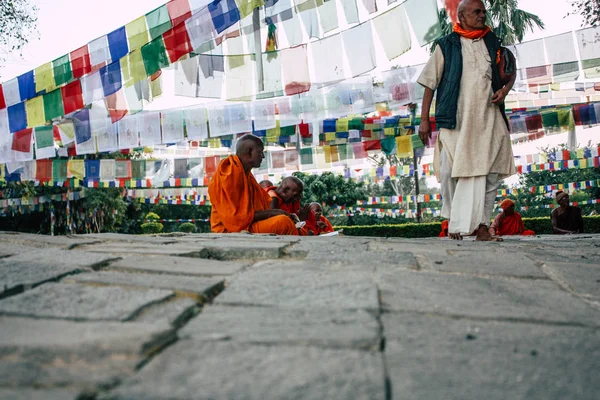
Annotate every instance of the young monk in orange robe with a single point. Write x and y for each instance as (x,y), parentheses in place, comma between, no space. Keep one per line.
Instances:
(239,203)
(508,222)
(287,197)
(321,224)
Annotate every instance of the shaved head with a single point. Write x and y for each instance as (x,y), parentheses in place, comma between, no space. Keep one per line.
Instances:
(266,184)
(471,14)
(295,180)
(246,143)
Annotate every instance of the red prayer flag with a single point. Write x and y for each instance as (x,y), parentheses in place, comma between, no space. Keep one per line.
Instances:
(177,42)
(116,104)
(72,97)
(566,154)
(43,170)
(22,140)
(304,130)
(2,101)
(372,145)
(179,11)
(80,62)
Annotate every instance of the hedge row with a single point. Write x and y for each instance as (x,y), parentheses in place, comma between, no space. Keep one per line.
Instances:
(540,225)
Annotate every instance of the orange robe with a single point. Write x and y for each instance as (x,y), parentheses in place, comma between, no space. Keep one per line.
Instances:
(235,196)
(292,208)
(328,229)
(510,225)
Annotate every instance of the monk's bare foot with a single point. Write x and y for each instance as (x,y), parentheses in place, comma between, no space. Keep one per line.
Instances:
(455,236)
(483,235)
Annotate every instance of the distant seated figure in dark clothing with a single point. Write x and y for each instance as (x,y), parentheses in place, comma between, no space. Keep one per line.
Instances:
(566,219)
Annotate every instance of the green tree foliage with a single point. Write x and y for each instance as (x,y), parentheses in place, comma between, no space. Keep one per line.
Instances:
(109,206)
(17,24)
(331,189)
(589,10)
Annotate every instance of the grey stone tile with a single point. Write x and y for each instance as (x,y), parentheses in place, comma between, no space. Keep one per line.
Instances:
(207,288)
(293,286)
(193,369)
(54,353)
(175,312)
(483,297)
(583,279)
(319,327)
(178,265)
(434,358)
(81,302)
(38,394)
(36,266)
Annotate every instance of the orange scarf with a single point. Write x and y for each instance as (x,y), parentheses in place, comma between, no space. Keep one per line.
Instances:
(478,34)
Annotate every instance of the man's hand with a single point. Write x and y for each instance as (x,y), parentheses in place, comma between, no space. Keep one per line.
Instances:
(304,212)
(498,97)
(321,225)
(425,131)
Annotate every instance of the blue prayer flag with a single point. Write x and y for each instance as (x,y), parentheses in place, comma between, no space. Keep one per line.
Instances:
(329,125)
(224,14)
(117,43)
(111,78)
(26,86)
(17,119)
(83,132)
(92,169)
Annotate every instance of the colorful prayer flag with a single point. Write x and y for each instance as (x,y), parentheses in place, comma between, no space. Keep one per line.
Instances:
(80,62)
(22,141)
(137,33)
(179,11)
(17,118)
(62,70)
(117,43)
(53,105)
(224,14)
(158,21)
(26,86)
(177,42)
(35,112)
(154,56)
(111,78)
(72,97)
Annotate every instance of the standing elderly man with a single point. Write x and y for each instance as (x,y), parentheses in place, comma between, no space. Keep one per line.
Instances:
(473,151)
(238,202)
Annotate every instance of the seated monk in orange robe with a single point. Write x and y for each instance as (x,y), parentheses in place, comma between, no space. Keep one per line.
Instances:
(321,224)
(287,197)
(239,203)
(508,222)
(444,231)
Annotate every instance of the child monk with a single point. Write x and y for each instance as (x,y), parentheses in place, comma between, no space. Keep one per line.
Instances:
(322,224)
(287,197)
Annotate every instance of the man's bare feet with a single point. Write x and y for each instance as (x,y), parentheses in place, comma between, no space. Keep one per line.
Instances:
(455,236)
(483,235)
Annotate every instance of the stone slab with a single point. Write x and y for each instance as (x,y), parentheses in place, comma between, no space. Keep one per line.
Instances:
(54,353)
(209,370)
(36,266)
(583,279)
(175,312)
(44,241)
(81,302)
(137,249)
(291,286)
(207,288)
(39,394)
(483,297)
(177,265)
(319,327)
(440,358)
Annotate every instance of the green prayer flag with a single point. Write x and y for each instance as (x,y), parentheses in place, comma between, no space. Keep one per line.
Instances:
(306,156)
(416,141)
(44,137)
(356,123)
(287,130)
(138,169)
(550,119)
(388,145)
(154,56)
(53,105)
(62,70)
(158,21)
(59,170)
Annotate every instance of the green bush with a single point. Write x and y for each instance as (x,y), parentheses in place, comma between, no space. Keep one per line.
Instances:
(152,217)
(187,227)
(152,227)
(540,225)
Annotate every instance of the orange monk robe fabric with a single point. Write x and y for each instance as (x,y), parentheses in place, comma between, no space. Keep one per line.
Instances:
(444,232)
(235,196)
(329,227)
(292,208)
(510,225)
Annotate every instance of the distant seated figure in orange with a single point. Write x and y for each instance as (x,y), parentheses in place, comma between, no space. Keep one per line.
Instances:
(444,231)
(266,184)
(239,203)
(508,222)
(322,224)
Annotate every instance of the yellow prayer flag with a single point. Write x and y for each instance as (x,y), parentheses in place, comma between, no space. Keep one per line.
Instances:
(329,136)
(327,152)
(247,6)
(405,170)
(404,146)
(543,158)
(308,5)
(341,125)
(389,131)
(214,143)
(156,87)
(67,129)
(274,133)
(381,107)
(132,67)
(137,33)
(35,112)
(44,78)
(555,87)
(580,153)
(76,169)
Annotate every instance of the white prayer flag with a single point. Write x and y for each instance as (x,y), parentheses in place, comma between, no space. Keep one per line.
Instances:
(172,126)
(149,125)
(358,43)
(196,123)
(393,32)
(128,132)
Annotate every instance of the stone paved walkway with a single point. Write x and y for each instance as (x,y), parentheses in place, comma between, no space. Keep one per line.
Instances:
(112,316)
